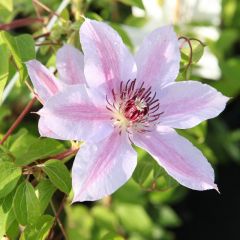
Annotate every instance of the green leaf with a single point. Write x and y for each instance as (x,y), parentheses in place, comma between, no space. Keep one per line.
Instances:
(104,217)
(28,148)
(7,5)
(9,177)
(230,84)
(142,171)
(136,3)
(168,218)
(44,191)
(26,204)
(39,230)
(198,50)
(22,49)
(25,47)
(4,67)
(7,217)
(134,218)
(112,236)
(136,21)
(58,175)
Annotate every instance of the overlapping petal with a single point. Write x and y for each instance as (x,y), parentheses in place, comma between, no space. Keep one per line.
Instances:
(77,113)
(158,58)
(44,130)
(186,104)
(100,169)
(70,65)
(107,59)
(44,82)
(178,157)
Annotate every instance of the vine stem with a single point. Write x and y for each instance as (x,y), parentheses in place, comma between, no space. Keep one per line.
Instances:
(65,154)
(18,120)
(20,23)
(57,220)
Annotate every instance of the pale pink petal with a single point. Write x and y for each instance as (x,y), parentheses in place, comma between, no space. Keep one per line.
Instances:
(44,130)
(107,59)
(100,169)
(178,157)
(158,58)
(44,82)
(186,104)
(77,113)
(70,65)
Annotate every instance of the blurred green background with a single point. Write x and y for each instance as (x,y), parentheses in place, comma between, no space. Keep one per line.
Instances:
(151,205)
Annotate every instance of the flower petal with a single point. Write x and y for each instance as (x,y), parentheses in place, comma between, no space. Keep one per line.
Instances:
(158,58)
(77,113)
(44,130)
(100,169)
(178,157)
(186,104)
(43,80)
(107,59)
(70,65)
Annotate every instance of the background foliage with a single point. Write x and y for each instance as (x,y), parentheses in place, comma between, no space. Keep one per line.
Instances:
(35,179)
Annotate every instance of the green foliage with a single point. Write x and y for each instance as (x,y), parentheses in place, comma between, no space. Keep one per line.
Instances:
(58,175)
(22,49)
(7,217)
(39,230)
(44,191)
(134,218)
(26,148)
(9,177)
(26,205)
(4,67)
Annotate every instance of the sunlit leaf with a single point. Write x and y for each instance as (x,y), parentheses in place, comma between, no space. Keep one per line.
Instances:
(22,48)
(44,191)
(39,230)
(4,53)
(58,175)
(26,204)
(9,177)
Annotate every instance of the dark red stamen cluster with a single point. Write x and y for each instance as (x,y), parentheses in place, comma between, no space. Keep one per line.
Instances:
(138,104)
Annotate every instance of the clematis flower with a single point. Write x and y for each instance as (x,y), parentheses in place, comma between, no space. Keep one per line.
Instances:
(111,100)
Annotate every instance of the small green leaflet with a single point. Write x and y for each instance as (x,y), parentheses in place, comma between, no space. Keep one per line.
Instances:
(26,204)
(58,175)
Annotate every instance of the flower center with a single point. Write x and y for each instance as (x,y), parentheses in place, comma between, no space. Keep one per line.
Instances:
(134,108)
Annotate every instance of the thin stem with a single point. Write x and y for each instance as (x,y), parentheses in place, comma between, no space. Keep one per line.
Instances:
(42,35)
(65,154)
(47,43)
(20,23)
(191,52)
(57,220)
(18,120)
(45,7)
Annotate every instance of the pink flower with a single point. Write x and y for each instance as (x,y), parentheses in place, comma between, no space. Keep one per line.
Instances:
(110,99)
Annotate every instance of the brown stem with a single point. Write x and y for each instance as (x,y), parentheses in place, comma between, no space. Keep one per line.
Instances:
(42,35)
(191,51)
(18,120)
(20,23)
(44,7)
(47,43)
(65,154)
(58,220)
(57,214)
